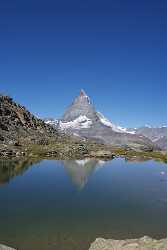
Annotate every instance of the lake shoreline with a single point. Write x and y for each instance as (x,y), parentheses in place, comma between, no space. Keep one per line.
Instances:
(143,243)
(78,150)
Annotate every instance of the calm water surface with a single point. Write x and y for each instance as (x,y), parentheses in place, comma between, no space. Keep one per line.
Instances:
(65,205)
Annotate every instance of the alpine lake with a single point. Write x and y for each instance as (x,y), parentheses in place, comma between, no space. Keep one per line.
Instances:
(66,205)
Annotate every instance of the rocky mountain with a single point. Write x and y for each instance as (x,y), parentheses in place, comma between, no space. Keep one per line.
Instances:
(153,133)
(81,119)
(158,135)
(18,124)
(162,143)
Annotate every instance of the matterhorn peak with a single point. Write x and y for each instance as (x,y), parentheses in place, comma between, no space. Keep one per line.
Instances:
(83,96)
(81,106)
(81,119)
(83,93)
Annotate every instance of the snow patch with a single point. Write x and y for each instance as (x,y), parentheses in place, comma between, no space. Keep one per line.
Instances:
(53,122)
(81,122)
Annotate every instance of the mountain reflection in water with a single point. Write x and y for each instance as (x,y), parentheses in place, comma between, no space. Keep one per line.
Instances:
(78,170)
(13,167)
(65,205)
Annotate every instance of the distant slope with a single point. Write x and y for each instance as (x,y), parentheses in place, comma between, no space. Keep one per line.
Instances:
(158,135)
(153,133)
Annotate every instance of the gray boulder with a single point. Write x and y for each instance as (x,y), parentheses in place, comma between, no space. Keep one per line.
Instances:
(144,243)
(3,247)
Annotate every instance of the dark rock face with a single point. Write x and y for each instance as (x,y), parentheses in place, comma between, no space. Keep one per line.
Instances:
(17,123)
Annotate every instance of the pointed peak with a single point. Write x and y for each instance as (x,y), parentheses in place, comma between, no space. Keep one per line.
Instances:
(84,96)
(83,93)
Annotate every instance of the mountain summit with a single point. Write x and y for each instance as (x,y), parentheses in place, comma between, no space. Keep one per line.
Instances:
(82,114)
(81,106)
(81,119)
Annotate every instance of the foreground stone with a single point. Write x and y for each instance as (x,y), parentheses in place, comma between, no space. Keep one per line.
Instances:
(102,154)
(144,243)
(3,247)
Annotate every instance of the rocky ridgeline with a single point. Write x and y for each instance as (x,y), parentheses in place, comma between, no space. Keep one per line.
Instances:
(18,125)
(144,243)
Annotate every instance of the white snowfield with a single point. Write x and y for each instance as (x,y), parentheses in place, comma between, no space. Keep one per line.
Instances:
(114,127)
(53,122)
(81,122)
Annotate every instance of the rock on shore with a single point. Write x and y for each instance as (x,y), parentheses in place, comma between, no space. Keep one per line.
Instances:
(144,243)
(3,247)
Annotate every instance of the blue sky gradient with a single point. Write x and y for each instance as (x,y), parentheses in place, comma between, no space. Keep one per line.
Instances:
(115,50)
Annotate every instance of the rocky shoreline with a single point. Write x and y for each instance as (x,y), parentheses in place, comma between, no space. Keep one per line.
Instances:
(62,150)
(144,243)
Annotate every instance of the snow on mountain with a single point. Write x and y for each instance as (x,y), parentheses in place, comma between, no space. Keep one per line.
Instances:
(53,122)
(82,119)
(79,123)
(114,127)
(82,115)
(84,122)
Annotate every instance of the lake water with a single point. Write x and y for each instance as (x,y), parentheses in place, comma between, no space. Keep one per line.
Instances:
(65,205)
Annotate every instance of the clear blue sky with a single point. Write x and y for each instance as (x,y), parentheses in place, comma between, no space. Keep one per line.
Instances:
(114,49)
